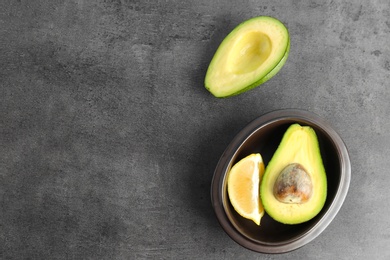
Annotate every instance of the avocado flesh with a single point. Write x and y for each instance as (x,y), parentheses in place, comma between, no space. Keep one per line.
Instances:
(267,77)
(249,56)
(299,145)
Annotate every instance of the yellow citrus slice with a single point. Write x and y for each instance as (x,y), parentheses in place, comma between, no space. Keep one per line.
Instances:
(243,187)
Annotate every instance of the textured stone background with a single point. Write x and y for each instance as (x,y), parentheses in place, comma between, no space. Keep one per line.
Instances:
(109,140)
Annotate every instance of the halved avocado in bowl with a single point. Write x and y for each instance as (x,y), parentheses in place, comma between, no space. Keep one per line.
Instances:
(294,186)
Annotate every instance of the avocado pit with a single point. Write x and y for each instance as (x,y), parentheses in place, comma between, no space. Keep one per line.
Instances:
(293,185)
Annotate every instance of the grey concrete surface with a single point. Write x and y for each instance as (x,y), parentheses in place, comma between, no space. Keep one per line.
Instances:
(109,139)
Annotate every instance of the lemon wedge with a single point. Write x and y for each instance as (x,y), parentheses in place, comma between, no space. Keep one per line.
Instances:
(243,187)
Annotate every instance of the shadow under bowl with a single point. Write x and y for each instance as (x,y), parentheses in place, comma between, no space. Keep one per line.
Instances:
(263,136)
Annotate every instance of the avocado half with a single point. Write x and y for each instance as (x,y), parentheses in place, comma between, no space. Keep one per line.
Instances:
(249,56)
(299,146)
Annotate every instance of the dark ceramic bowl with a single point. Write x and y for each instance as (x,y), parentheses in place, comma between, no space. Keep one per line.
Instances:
(263,135)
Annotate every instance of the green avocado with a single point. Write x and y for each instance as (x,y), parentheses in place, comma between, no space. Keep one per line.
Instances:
(250,55)
(294,186)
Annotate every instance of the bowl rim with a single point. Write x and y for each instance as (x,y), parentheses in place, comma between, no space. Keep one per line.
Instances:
(230,152)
